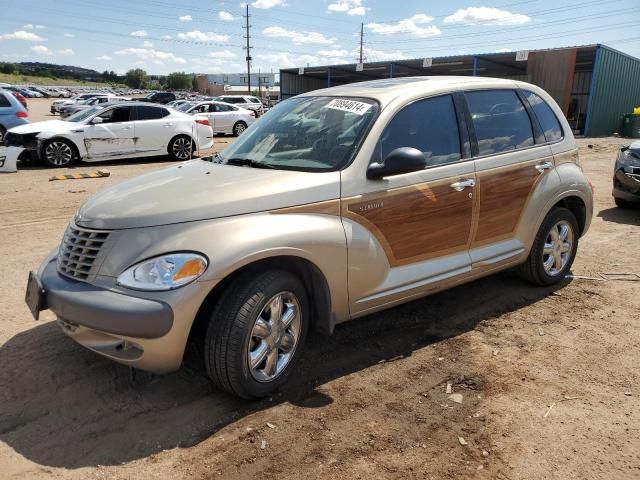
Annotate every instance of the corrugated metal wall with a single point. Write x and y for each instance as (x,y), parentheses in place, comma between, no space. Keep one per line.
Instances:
(553,71)
(292,84)
(616,90)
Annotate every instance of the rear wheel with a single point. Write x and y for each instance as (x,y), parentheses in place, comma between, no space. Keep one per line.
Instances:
(239,128)
(554,249)
(59,153)
(256,333)
(181,148)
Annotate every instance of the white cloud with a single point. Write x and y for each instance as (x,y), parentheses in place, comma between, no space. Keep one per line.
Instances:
(31,26)
(167,37)
(222,54)
(350,7)
(203,36)
(28,26)
(226,16)
(69,35)
(185,18)
(408,25)
(333,53)
(486,16)
(66,51)
(298,37)
(22,35)
(373,55)
(150,54)
(106,58)
(41,50)
(503,50)
(139,33)
(269,3)
(147,44)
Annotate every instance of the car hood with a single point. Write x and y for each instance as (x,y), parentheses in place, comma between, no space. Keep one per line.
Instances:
(200,190)
(52,126)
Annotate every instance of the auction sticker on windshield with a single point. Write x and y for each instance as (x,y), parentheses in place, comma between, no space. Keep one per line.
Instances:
(353,106)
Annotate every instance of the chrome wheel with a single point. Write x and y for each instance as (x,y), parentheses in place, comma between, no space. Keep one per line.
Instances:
(181,148)
(274,337)
(557,248)
(58,153)
(239,128)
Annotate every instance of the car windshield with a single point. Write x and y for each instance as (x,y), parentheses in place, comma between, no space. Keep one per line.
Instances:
(305,133)
(82,114)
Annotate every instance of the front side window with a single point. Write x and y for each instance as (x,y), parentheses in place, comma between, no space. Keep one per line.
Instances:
(305,133)
(116,115)
(548,120)
(429,125)
(500,121)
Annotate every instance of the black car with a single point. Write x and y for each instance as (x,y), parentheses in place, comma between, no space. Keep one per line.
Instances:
(626,177)
(159,97)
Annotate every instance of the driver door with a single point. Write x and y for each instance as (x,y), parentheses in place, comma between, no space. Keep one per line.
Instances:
(420,223)
(114,137)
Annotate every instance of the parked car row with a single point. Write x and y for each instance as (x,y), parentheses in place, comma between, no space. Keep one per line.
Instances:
(223,117)
(12,112)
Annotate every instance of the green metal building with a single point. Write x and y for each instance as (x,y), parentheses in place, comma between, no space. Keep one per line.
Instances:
(595,85)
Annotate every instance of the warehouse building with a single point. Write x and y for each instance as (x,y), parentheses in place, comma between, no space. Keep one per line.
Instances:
(595,85)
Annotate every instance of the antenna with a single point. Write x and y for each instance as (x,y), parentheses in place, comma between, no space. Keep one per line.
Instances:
(361,40)
(248,49)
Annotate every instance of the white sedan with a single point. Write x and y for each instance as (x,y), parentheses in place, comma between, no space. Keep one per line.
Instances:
(224,118)
(120,131)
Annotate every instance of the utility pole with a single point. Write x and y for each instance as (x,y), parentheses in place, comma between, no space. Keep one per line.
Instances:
(259,85)
(361,40)
(248,48)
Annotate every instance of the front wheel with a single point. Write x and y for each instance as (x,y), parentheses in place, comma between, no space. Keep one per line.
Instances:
(554,249)
(256,333)
(59,153)
(239,128)
(180,148)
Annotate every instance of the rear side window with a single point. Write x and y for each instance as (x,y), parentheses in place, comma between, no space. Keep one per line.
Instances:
(4,101)
(429,125)
(500,121)
(150,113)
(548,120)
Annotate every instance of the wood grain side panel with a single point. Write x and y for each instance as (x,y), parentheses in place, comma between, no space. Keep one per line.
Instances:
(504,195)
(416,223)
(329,207)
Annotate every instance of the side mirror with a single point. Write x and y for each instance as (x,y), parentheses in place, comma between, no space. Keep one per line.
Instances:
(96,120)
(399,161)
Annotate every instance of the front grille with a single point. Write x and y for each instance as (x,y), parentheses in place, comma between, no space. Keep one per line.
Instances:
(78,252)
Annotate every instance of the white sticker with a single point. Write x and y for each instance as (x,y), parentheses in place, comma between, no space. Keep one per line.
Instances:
(353,106)
(359,67)
(427,62)
(301,71)
(522,55)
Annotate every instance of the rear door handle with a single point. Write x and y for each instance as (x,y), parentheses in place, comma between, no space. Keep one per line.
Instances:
(541,167)
(462,184)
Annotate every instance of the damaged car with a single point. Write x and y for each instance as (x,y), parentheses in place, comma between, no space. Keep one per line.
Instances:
(119,131)
(626,176)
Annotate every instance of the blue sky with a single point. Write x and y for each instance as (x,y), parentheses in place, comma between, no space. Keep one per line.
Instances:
(206,36)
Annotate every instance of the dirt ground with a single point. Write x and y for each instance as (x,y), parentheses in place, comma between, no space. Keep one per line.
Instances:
(549,377)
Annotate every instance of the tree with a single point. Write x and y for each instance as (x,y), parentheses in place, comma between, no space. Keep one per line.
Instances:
(179,81)
(135,78)
(6,67)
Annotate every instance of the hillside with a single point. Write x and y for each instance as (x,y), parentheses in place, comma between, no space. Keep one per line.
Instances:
(17,79)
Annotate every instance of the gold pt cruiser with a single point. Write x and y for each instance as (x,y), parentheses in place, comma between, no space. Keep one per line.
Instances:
(336,204)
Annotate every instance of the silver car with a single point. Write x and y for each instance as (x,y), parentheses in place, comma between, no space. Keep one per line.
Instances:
(339,203)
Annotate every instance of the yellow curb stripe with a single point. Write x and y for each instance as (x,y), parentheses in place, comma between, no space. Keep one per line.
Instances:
(79,176)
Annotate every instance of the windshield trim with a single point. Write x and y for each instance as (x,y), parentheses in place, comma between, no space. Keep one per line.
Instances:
(356,147)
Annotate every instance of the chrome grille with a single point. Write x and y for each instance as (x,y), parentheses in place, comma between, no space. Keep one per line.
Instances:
(79,250)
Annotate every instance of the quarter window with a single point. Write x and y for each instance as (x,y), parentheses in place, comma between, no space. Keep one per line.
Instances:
(500,121)
(548,120)
(430,126)
(4,101)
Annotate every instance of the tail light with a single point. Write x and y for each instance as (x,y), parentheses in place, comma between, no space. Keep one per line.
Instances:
(252,113)
(593,189)
(203,121)
(22,114)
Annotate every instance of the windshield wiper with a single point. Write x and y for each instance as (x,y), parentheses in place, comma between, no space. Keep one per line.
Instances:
(249,163)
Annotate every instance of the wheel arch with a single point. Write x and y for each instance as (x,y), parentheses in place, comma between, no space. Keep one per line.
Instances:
(44,141)
(309,273)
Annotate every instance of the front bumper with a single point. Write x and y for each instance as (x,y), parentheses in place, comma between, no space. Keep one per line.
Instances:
(626,186)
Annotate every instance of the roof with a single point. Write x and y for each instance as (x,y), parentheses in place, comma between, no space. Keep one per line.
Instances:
(385,90)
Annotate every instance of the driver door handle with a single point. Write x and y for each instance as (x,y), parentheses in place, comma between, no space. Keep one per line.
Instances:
(541,167)
(462,184)
(125,127)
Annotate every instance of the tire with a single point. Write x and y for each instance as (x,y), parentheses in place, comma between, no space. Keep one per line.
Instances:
(238,128)
(59,153)
(3,132)
(181,148)
(235,335)
(551,257)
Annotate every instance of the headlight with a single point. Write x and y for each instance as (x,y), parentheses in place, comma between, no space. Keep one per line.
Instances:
(166,272)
